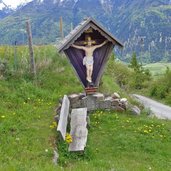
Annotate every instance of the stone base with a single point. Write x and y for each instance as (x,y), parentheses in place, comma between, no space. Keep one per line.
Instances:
(96,101)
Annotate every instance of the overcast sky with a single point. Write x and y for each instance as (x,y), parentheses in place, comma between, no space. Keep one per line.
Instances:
(14,3)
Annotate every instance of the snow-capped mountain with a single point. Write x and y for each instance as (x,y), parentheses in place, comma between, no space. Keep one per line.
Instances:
(2,5)
(5,10)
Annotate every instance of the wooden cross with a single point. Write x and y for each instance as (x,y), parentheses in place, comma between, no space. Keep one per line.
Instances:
(87,39)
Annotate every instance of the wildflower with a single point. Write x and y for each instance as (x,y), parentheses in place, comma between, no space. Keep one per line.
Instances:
(17,139)
(2,116)
(127,121)
(161,136)
(68,138)
(53,125)
(28,98)
(46,150)
(146,131)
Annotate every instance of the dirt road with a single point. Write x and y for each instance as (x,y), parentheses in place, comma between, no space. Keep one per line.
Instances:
(158,109)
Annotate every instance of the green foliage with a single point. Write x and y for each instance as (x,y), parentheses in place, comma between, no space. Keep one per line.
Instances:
(161,87)
(119,71)
(127,78)
(134,63)
(140,75)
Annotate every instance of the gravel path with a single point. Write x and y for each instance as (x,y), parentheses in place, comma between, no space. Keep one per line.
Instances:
(160,110)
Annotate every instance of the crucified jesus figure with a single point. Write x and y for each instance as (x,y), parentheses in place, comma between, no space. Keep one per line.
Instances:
(88,59)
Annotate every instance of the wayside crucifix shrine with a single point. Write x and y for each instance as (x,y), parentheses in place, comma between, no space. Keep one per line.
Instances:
(88,48)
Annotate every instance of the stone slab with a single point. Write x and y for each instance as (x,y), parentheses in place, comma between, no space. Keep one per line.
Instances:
(73,98)
(89,102)
(63,118)
(99,96)
(79,130)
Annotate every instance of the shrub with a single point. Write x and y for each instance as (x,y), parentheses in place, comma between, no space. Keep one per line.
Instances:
(168,98)
(120,72)
(161,87)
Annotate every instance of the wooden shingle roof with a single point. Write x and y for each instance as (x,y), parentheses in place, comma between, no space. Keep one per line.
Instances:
(84,25)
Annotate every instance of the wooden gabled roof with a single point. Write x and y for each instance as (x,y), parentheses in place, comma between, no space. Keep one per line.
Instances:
(84,25)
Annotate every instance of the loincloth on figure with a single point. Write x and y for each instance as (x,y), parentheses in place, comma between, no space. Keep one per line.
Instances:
(88,60)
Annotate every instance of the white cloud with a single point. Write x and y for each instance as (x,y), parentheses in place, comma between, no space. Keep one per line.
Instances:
(1,6)
(15,3)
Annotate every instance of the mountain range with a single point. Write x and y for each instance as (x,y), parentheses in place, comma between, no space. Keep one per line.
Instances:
(143,26)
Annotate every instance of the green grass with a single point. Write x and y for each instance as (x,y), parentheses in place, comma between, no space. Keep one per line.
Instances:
(157,69)
(27,139)
(124,142)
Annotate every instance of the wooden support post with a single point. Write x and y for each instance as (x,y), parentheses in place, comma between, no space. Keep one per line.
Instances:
(71,26)
(61,28)
(32,61)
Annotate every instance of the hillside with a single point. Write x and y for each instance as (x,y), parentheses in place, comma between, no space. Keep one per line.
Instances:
(28,133)
(143,26)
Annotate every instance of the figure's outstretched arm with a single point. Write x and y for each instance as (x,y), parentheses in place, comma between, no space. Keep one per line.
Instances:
(78,47)
(98,46)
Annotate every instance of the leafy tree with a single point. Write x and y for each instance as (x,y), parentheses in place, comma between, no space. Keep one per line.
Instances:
(134,63)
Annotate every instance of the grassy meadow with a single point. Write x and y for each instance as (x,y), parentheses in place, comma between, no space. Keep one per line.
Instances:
(28,137)
(157,69)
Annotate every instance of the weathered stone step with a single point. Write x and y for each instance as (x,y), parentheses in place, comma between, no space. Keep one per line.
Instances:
(79,130)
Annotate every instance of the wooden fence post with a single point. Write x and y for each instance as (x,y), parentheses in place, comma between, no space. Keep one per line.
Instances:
(32,61)
(15,56)
(61,28)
